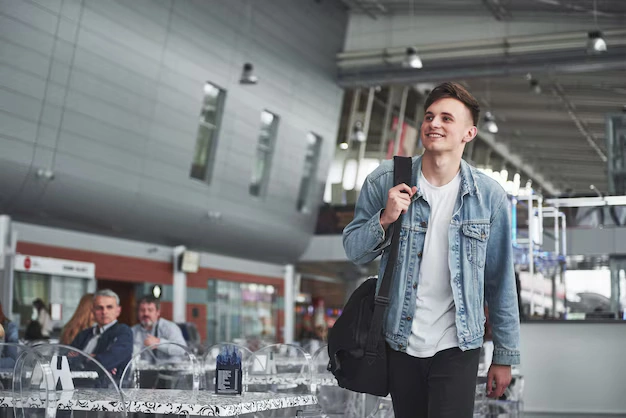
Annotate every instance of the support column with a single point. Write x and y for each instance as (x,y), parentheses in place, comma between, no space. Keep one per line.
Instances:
(615,264)
(384,138)
(356,97)
(179,300)
(531,252)
(7,253)
(366,128)
(396,145)
(290,306)
(418,118)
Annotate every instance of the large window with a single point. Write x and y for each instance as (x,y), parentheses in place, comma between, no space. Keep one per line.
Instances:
(59,293)
(265,150)
(208,130)
(241,312)
(314,144)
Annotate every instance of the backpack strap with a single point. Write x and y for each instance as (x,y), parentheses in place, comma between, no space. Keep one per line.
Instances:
(402,173)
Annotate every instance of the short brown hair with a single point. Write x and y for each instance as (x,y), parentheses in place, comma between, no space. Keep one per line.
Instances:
(148,299)
(454,91)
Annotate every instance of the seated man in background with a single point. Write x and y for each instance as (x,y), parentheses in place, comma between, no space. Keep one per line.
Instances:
(109,342)
(152,329)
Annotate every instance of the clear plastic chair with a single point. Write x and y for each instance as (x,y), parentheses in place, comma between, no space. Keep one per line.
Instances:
(210,363)
(55,379)
(280,368)
(509,406)
(336,401)
(494,408)
(11,355)
(9,352)
(162,366)
(31,380)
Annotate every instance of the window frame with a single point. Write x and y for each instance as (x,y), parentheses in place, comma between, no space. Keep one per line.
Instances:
(267,149)
(307,184)
(204,172)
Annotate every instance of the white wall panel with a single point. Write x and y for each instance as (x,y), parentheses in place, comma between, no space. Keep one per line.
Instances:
(110,92)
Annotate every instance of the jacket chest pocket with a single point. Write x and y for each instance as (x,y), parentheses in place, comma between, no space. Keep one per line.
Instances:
(411,243)
(475,236)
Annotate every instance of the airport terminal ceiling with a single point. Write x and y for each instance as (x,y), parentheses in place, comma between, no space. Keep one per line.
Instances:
(549,96)
(501,9)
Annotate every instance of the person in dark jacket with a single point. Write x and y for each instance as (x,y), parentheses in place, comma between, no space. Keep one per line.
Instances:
(109,342)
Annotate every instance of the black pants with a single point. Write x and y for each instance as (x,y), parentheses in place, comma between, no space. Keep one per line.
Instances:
(442,386)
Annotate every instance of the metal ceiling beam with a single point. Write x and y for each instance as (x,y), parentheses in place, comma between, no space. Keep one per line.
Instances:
(579,202)
(583,185)
(520,11)
(520,103)
(496,8)
(434,73)
(494,47)
(531,128)
(516,161)
(556,156)
(546,142)
(472,64)
(356,4)
(568,172)
(606,79)
(539,115)
(584,131)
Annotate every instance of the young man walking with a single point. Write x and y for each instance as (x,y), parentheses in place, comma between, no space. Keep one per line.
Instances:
(455,256)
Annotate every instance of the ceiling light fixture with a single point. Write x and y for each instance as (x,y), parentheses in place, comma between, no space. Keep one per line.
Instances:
(596,43)
(357,131)
(595,189)
(490,124)
(533,83)
(45,173)
(343,145)
(412,59)
(534,86)
(247,75)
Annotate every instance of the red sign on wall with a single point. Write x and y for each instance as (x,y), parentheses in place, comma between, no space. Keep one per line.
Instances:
(27,263)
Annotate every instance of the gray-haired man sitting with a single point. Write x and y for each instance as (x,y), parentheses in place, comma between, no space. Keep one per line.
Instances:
(109,342)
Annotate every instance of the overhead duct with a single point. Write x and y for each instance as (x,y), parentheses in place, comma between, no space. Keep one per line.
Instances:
(512,45)
(564,52)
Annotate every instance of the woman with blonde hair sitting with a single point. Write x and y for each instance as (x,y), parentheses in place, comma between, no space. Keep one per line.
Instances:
(82,319)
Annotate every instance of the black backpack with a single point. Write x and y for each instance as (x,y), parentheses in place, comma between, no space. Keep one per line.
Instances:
(356,346)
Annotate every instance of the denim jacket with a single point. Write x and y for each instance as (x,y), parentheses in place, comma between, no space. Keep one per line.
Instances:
(480,258)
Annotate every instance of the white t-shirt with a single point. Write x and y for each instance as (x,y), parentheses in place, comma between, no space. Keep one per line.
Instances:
(45,321)
(434,328)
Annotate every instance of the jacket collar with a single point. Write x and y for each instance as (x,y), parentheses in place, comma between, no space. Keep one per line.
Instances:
(101,330)
(468,180)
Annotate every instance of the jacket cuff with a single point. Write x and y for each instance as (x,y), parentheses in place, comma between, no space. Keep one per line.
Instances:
(384,238)
(505,357)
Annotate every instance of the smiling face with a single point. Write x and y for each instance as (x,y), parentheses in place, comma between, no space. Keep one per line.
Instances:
(447,127)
